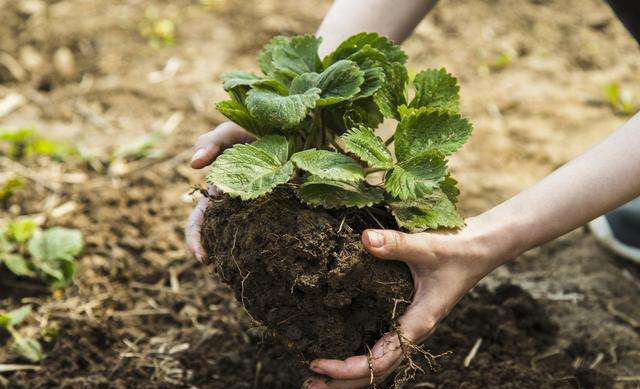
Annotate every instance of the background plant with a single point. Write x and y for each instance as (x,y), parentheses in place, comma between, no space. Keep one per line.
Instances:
(25,346)
(47,254)
(314,121)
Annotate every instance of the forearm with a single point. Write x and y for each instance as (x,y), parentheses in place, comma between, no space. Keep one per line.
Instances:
(394,19)
(601,179)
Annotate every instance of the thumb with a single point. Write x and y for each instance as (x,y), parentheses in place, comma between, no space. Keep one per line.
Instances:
(390,244)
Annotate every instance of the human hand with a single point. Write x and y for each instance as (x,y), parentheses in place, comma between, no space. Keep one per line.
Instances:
(207,147)
(444,268)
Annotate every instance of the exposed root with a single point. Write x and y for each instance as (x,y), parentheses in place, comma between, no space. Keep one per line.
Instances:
(244,276)
(409,368)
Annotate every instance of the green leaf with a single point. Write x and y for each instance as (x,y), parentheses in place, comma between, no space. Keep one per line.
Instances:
(27,347)
(368,53)
(252,170)
(56,243)
(339,82)
(450,188)
(435,210)
(281,111)
(15,317)
(52,249)
(17,264)
(20,231)
(317,191)
(425,129)
(239,114)
(412,178)
(328,165)
(367,146)
(238,84)
(392,94)
(435,88)
(67,270)
(352,45)
(348,114)
(303,83)
(290,56)
(373,80)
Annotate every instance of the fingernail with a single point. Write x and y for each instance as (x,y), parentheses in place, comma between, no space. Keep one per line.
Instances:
(198,154)
(375,239)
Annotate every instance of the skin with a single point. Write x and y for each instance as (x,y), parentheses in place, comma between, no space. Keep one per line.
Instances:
(446,266)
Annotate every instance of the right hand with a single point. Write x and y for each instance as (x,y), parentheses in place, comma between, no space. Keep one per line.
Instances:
(207,147)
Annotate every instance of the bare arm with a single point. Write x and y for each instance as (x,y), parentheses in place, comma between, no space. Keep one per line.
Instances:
(601,179)
(446,266)
(394,19)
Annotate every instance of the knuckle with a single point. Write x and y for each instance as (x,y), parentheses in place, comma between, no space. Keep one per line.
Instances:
(397,240)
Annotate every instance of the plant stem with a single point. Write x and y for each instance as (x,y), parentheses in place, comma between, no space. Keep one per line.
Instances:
(390,140)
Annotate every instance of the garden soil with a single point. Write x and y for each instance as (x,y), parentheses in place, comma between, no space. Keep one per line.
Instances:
(304,274)
(142,313)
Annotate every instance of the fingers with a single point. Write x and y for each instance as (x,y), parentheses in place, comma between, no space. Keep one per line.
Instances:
(194,225)
(209,145)
(385,357)
(390,244)
(318,383)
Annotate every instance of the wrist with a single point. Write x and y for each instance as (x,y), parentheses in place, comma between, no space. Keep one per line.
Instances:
(494,238)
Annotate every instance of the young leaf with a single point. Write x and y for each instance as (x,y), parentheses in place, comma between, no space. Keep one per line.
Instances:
(55,244)
(17,264)
(281,111)
(352,45)
(423,130)
(368,53)
(239,114)
(367,146)
(412,178)
(339,82)
(290,56)
(432,211)
(392,94)
(20,231)
(435,88)
(303,83)
(348,114)
(15,317)
(238,84)
(373,80)
(328,165)
(317,191)
(251,170)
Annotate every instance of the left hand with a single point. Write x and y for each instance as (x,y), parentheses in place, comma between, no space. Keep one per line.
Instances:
(444,268)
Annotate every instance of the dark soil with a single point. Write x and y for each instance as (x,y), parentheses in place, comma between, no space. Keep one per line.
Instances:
(304,273)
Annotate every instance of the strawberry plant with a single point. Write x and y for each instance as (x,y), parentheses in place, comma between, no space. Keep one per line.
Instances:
(48,255)
(314,121)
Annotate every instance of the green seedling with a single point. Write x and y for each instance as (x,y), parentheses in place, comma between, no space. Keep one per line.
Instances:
(314,121)
(27,347)
(26,142)
(48,255)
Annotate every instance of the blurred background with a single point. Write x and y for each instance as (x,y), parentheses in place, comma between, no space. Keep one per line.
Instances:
(100,102)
